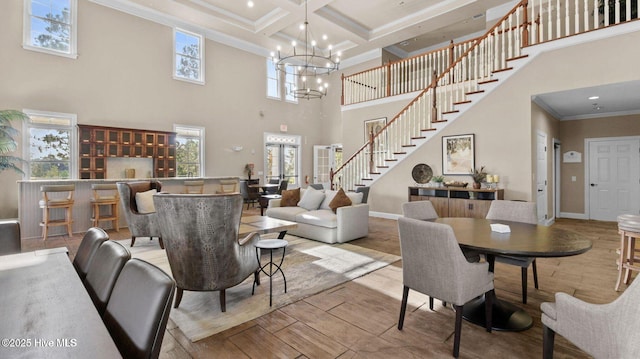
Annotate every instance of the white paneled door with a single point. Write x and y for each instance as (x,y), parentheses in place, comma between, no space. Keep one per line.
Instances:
(613,178)
(541,176)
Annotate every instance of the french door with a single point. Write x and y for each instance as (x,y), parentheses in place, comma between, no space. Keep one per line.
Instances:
(282,158)
(325,159)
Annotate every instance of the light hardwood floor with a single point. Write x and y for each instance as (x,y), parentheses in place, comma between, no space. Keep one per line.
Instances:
(359,318)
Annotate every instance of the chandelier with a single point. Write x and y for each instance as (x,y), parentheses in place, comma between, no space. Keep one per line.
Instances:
(307,63)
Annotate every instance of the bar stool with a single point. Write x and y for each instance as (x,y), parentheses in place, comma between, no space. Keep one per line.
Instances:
(105,195)
(53,198)
(228,186)
(629,229)
(194,187)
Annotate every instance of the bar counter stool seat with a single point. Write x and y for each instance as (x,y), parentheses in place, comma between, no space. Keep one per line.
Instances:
(105,195)
(629,230)
(57,197)
(193,187)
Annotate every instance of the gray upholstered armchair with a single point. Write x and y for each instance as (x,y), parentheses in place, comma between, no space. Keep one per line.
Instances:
(433,264)
(602,330)
(517,211)
(201,236)
(140,224)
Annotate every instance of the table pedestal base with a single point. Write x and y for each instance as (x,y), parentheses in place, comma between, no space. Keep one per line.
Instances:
(506,316)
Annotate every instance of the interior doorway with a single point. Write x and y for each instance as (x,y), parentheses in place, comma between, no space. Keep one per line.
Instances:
(612,176)
(325,159)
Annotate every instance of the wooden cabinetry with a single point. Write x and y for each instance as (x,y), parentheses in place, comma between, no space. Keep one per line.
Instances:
(457,202)
(98,143)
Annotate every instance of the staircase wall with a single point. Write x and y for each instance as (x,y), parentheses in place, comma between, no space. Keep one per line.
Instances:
(502,121)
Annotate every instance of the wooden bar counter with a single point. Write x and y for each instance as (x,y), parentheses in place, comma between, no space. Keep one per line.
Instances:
(30,214)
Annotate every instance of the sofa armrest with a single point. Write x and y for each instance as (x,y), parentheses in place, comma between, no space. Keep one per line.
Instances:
(353,222)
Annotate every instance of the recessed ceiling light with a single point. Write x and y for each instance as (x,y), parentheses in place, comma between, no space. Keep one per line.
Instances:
(594,97)
(250,3)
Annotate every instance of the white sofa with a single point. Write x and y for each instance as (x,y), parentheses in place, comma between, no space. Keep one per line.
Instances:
(320,223)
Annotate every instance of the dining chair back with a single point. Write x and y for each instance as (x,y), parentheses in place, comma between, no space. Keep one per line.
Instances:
(609,330)
(422,210)
(203,248)
(86,251)
(103,272)
(283,186)
(138,310)
(272,190)
(10,237)
(433,264)
(250,195)
(516,211)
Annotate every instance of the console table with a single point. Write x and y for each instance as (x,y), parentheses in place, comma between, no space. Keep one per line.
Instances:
(457,201)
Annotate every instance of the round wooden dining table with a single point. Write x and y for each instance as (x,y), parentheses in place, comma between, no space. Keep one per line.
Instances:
(525,240)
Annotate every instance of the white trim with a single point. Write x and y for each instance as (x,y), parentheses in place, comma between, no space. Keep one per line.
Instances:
(557,176)
(73,34)
(404,97)
(573,215)
(201,74)
(384,215)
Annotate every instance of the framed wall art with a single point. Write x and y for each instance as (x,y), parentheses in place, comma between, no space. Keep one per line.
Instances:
(458,154)
(375,126)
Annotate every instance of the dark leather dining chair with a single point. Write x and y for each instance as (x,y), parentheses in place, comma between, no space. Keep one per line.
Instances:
(138,310)
(140,224)
(86,251)
(103,272)
(433,264)
(10,237)
(284,184)
(250,195)
(517,211)
(203,248)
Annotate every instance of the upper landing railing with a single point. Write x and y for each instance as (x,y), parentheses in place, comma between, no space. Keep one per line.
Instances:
(529,22)
(546,23)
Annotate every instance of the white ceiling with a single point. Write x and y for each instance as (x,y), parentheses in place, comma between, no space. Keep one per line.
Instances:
(358,27)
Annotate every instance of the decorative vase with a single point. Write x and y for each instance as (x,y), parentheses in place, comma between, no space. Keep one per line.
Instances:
(476,185)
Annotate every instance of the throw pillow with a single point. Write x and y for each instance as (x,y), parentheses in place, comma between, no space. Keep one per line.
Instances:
(290,198)
(328,197)
(355,197)
(311,199)
(340,200)
(144,201)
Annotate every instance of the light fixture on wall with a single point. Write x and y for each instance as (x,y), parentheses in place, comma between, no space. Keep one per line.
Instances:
(308,63)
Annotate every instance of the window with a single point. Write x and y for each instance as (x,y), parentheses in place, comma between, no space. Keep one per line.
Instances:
(290,84)
(189,151)
(188,56)
(50,149)
(273,80)
(274,83)
(50,26)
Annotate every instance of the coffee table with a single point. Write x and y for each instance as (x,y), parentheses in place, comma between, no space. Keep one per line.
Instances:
(264,225)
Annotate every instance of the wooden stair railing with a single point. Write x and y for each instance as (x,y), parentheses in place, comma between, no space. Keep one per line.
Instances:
(530,22)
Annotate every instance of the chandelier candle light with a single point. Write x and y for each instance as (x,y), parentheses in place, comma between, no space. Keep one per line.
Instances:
(308,63)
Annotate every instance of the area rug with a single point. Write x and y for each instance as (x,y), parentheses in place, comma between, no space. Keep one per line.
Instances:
(309,266)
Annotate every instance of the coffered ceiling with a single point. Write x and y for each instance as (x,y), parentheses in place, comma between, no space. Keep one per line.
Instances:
(353,27)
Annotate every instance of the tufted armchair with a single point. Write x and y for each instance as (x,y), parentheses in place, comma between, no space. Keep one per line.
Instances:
(201,236)
(140,224)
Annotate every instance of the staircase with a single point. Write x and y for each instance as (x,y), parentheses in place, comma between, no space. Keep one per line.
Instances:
(485,63)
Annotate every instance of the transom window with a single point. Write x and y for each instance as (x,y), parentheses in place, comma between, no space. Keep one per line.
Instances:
(188,56)
(189,151)
(50,26)
(50,140)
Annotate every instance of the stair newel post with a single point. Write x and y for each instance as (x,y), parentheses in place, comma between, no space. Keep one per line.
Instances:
(371,148)
(331,174)
(388,79)
(434,106)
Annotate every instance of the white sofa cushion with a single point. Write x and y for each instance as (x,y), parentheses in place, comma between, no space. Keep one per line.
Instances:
(355,197)
(321,218)
(328,197)
(311,199)
(286,213)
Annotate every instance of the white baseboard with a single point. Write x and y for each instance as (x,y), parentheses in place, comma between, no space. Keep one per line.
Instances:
(573,215)
(384,215)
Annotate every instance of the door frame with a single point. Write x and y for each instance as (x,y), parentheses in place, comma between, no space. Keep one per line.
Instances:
(587,160)
(557,177)
(546,178)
